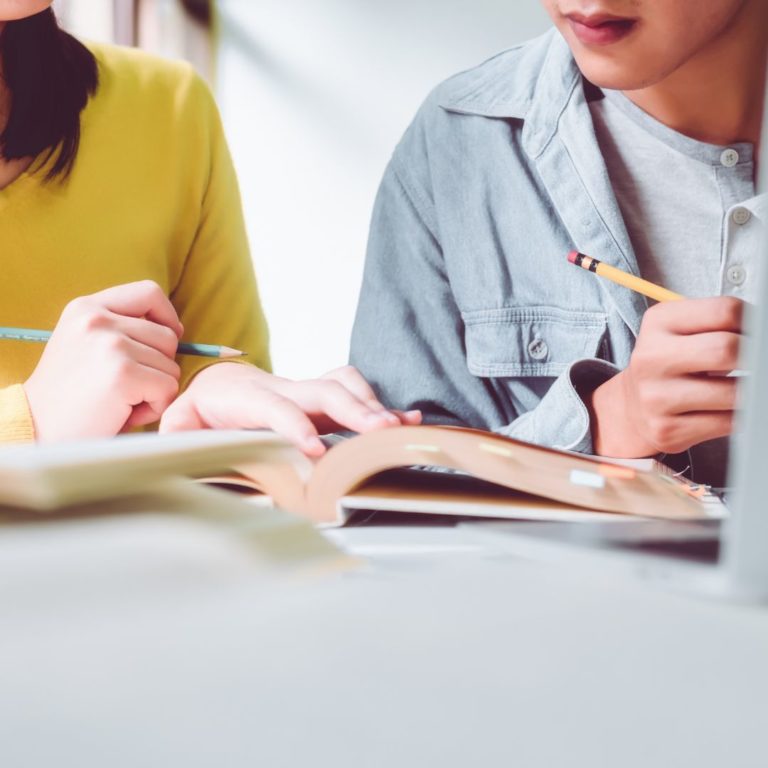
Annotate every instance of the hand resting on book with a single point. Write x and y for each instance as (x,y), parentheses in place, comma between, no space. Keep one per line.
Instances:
(237,396)
(109,365)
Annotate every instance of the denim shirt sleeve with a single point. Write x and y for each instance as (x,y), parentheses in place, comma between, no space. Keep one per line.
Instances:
(408,338)
(561,419)
(407,334)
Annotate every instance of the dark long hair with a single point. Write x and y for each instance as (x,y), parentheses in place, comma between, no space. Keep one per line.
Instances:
(50,76)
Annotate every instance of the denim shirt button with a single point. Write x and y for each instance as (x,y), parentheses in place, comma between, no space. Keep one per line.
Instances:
(538,349)
(741,215)
(729,158)
(736,274)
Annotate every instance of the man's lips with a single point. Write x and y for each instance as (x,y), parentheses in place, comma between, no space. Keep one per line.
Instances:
(600,29)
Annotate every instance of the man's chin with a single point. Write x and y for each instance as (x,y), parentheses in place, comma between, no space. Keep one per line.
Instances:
(618,77)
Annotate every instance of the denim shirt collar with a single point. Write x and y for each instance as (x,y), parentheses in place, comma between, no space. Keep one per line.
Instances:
(545,92)
(537,101)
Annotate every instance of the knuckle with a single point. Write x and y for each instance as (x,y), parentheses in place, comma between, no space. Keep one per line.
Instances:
(120,374)
(729,311)
(173,418)
(170,387)
(124,368)
(75,305)
(265,395)
(177,408)
(644,363)
(347,372)
(79,307)
(725,351)
(653,318)
(662,434)
(166,340)
(150,287)
(92,319)
(333,388)
(652,398)
(643,360)
(170,336)
(114,343)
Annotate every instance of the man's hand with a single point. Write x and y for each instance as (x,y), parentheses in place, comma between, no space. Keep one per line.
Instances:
(235,396)
(109,364)
(674,392)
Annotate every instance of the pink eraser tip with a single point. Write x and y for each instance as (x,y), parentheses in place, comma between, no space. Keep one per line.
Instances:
(572,256)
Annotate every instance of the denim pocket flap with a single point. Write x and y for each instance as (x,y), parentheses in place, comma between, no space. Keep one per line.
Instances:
(530,341)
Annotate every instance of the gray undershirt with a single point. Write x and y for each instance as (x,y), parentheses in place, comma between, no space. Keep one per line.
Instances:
(691,214)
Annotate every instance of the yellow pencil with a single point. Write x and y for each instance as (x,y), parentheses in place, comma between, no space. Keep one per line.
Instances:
(646,287)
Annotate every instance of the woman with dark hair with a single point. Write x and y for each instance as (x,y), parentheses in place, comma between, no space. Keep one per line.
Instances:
(122,230)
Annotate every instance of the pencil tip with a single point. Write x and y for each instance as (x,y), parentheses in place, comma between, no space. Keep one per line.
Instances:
(230,352)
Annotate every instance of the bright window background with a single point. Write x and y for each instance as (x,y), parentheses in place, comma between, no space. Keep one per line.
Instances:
(314,95)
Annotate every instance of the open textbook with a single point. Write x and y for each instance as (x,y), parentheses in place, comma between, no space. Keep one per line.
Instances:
(489,475)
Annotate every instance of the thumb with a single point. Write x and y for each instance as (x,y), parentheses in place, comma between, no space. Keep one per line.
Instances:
(181,415)
(141,415)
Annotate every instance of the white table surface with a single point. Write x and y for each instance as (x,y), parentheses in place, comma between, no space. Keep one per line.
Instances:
(442,651)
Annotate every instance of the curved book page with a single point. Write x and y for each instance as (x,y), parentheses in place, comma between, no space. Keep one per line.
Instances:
(572,479)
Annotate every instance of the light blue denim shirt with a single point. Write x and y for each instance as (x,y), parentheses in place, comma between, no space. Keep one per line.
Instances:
(469,309)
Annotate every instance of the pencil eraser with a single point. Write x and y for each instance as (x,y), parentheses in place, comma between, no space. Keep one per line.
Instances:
(572,256)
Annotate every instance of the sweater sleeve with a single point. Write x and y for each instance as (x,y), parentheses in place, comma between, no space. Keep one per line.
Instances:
(216,296)
(16,425)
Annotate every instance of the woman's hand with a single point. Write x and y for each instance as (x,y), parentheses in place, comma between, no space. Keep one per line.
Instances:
(109,364)
(235,396)
(667,399)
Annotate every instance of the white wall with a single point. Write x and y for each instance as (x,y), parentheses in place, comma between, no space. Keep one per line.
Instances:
(88,19)
(315,94)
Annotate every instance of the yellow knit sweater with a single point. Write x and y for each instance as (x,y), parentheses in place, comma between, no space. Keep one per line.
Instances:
(152,195)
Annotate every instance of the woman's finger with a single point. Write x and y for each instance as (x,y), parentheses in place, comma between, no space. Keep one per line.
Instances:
(332,399)
(244,408)
(181,416)
(148,356)
(356,383)
(147,332)
(142,415)
(410,418)
(144,298)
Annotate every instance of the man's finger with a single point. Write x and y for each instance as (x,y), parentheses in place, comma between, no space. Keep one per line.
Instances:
(712,352)
(693,428)
(718,313)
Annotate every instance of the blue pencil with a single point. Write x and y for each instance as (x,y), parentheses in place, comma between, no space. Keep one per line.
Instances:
(185,348)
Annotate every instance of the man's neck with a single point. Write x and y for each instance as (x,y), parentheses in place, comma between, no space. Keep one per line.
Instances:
(717,95)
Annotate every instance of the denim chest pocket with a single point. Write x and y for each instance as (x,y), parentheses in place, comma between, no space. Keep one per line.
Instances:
(530,341)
